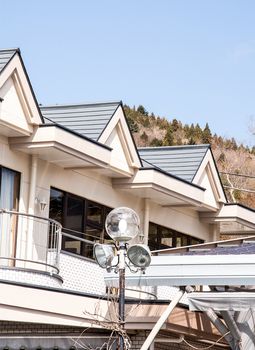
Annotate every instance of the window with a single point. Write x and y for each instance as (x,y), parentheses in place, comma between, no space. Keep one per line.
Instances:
(9,188)
(162,237)
(9,199)
(82,220)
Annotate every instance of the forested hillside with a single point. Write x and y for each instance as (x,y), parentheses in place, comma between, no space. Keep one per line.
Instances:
(236,163)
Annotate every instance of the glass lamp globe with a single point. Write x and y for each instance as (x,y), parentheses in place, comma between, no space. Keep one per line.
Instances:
(122,224)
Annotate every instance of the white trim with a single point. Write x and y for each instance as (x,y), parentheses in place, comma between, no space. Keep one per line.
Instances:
(77,149)
(171,270)
(118,120)
(231,213)
(15,69)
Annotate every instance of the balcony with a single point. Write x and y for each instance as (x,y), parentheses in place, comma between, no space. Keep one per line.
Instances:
(29,249)
(30,253)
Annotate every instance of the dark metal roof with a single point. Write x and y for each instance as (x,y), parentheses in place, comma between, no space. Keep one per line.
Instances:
(181,161)
(5,57)
(86,119)
(235,246)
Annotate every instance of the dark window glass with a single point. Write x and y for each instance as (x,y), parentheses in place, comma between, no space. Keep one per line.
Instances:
(73,224)
(162,238)
(94,235)
(94,213)
(153,238)
(56,205)
(166,239)
(83,221)
(74,213)
(9,189)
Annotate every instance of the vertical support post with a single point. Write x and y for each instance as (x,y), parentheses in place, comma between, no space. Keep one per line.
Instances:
(122,252)
(31,206)
(146,219)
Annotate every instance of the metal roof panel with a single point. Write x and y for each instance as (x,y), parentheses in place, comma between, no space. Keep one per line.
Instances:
(87,119)
(181,161)
(5,57)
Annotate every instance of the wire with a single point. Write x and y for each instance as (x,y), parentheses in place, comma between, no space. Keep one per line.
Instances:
(241,175)
(207,347)
(239,189)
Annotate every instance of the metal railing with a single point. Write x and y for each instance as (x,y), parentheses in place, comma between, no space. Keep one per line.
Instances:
(29,241)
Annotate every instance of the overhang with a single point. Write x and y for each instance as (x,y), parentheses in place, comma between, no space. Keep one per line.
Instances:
(32,304)
(162,188)
(63,148)
(24,303)
(230,213)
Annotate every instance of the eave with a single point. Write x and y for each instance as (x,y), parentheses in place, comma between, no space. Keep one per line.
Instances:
(231,213)
(164,189)
(63,148)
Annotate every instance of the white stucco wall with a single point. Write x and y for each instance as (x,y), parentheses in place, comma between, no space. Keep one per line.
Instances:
(94,186)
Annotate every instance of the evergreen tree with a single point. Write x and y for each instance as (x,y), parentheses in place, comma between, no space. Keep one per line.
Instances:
(206,135)
(144,137)
(175,125)
(142,110)
(156,142)
(169,137)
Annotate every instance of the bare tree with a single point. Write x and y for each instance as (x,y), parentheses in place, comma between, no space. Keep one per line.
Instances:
(232,164)
(109,322)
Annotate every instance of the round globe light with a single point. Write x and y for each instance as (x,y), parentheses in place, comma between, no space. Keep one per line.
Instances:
(122,224)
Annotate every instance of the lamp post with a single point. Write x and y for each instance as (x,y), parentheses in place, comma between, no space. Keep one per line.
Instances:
(122,225)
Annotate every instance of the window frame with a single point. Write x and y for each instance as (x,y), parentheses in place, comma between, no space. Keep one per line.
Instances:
(157,244)
(86,223)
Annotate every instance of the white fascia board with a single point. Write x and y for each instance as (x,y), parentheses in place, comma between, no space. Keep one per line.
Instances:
(29,304)
(221,301)
(128,142)
(15,68)
(208,165)
(168,185)
(171,270)
(233,212)
(52,136)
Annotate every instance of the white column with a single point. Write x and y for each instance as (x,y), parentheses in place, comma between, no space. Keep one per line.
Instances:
(146,219)
(31,205)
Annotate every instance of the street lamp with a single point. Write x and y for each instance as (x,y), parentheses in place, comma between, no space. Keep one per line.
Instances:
(122,225)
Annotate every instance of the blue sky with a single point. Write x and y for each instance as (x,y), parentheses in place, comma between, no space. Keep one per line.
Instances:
(193,60)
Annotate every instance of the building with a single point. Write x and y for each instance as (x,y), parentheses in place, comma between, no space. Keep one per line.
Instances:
(62,169)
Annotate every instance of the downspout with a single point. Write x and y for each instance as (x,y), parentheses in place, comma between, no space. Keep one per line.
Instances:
(149,340)
(146,219)
(31,204)
(32,187)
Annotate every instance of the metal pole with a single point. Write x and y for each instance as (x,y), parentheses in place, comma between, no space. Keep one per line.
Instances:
(122,251)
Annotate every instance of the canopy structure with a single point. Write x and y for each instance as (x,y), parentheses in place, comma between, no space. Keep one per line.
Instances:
(228,267)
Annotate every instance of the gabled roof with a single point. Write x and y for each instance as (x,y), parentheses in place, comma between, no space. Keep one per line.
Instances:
(86,119)
(181,161)
(6,56)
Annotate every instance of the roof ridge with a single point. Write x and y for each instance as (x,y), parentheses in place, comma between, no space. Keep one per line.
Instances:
(175,146)
(80,104)
(10,49)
